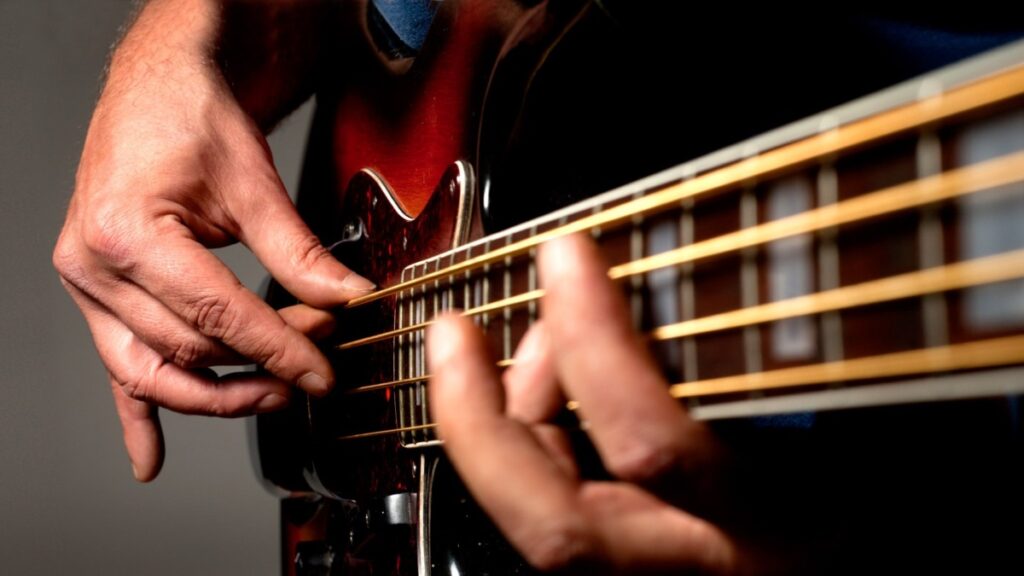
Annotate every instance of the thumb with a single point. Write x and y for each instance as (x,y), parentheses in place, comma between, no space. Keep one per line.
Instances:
(143,437)
(271,227)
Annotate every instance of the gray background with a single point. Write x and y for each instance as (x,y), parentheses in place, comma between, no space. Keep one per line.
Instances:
(68,503)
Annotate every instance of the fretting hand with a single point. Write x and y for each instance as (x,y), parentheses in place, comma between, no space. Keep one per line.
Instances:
(521,470)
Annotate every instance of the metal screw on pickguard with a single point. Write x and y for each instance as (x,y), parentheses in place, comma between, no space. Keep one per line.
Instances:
(405,242)
(351,231)
(373,202)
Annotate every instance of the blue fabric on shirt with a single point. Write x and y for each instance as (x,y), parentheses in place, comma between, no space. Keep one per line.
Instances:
(409,19)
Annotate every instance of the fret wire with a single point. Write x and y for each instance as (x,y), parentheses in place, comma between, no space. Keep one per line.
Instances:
(928,159)
(418,369)
(828,264)
(596,232)
(437,294)
(467,278)
(688,293)
(636,282)
(400,360)
(412,392)
(451,284)
(485,291)
(748,284)
(961,182)
(406,393)
(415,391)
(411,319)
(792,156)
(400,394)
(424,406)
(979,354)
(987,270)
(421,309)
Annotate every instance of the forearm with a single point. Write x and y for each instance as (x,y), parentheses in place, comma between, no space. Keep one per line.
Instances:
(269,54)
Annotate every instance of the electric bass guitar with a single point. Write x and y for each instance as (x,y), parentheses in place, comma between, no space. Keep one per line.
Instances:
(842,296)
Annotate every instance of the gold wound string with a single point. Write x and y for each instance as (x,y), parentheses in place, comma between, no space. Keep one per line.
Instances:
(968,356)
(797,154)
(938,188)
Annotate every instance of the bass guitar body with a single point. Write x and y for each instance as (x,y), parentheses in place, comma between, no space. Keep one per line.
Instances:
(432,174)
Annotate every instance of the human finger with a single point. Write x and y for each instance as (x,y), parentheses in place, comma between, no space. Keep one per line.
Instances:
(531,389)
(155,324)
(638,429)
(121,351)
(314,323)
(555,521)
(525,491)
(143,436)
(194,284)
(637,533)
(272,228)
(146,376)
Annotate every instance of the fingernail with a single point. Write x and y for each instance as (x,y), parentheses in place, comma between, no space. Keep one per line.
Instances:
(357,283)
(441,343)
(135,473)
(314,383)
(532,345)
(271,402)
(550,257)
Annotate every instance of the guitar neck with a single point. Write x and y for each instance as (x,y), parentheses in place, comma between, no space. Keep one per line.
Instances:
(873,254)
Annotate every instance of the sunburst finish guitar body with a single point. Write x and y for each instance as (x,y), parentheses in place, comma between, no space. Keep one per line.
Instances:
(842,297)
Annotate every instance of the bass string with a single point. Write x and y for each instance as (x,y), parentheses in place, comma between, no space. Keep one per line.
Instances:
(918,115)
(942,187)
(954,357)
(982,354)
(987,270)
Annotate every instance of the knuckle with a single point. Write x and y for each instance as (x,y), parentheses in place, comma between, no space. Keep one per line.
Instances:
(137,388)
(214,316)
(558,545)
(66,261)
(189,353)
(644,461)
(272,353)
(223,409)
(308,253)
(220,410)
(108,233)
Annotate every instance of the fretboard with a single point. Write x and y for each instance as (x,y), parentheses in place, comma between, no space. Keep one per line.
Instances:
(873,254)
